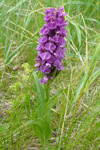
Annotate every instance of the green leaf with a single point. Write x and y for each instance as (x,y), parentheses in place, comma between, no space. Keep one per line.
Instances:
(42,129)
(48,105)
(40,95)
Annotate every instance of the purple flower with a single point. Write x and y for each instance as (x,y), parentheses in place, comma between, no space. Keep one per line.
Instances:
(45,69)
(57,39)
(52,25)
(44,80)
(43,39)
(45,55)
(51,48)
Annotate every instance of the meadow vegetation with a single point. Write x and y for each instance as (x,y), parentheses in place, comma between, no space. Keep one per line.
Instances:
(75,93)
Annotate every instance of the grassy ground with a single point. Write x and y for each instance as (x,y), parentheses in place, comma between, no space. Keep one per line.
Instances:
(76,111)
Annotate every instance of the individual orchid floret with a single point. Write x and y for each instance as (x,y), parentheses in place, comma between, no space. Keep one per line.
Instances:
(51,48)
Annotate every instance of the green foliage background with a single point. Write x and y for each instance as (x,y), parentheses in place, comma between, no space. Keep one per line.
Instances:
(75,93)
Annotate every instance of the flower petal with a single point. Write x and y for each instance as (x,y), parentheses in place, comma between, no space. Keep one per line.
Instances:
(43,39)
(45,55)
(52,25)
(44,80)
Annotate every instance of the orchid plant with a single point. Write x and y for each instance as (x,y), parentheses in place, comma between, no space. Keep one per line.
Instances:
(51,52)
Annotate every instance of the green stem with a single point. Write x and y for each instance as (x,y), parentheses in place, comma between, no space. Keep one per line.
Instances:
(47,91)
(48,108)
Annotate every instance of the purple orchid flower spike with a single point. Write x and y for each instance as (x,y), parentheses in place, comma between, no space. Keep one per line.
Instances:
(51,48)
